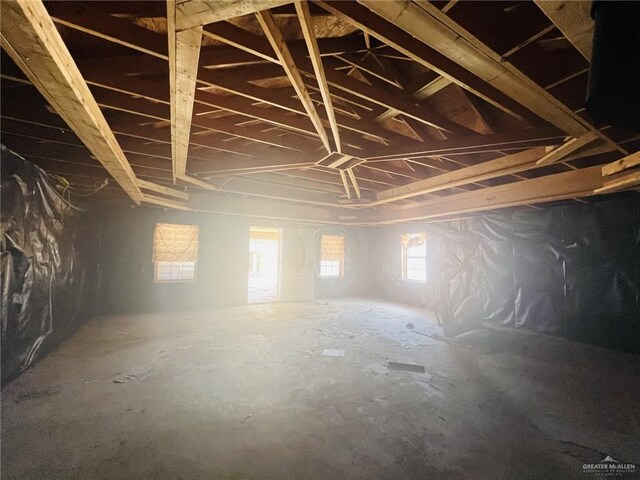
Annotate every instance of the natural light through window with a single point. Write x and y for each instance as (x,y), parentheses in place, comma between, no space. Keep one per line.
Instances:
(332,256)
(175,252)
(414,257)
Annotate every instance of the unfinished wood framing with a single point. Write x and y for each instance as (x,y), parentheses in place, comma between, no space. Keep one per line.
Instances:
(314,53)
(574,20)
(184,55)
(373,106)
(47,63)
(281,50)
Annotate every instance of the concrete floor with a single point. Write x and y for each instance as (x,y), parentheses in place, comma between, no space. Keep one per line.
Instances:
(244,393)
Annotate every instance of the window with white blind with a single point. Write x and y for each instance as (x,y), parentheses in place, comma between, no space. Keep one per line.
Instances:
(414,257)
(332,256)
(175,253)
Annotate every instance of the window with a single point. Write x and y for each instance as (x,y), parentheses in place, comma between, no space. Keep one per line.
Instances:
(175,252)
(332,256)
(414,257)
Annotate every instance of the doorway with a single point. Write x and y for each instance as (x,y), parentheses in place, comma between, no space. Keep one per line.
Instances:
(264,265)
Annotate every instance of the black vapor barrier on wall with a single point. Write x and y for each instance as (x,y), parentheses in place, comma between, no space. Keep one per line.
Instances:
(572,271)
(49,278)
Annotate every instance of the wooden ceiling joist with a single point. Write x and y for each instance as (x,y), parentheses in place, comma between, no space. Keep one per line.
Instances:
(507,165)
(304,15)
(184,56)
(195,13)
(629,161)
(561,186)
(329,124)
(345,183)
(33,42)
(567,148)
(574,20)
(628,180)
(435,29)
(164,190)
(354,182)
(272,32)
(92,21)
(409,44)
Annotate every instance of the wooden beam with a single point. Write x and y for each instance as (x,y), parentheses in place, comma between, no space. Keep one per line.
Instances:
(272,32)
(47,63)
(256,45)
(408,44)
(273,209)
(499,167)
(163,202)
(628,180)
(574,20)
(154,187)
(88,19)
(567,148)
(195,13)
(629,161)
(436,29)
(354,182)
(345,183)
(302,8)
(561,186)
(473,144)
(184,54)
(197,182)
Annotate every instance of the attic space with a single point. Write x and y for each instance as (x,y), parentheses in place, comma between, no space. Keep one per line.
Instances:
(275,239)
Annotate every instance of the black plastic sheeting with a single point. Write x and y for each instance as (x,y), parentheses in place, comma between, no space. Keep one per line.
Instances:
(49,277)
(571,271)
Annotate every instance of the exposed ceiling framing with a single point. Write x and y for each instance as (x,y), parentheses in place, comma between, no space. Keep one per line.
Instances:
(330,112)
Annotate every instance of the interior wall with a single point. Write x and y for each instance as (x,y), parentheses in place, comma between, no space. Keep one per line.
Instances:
(570,270)
(50,276)
(128,271)
(356,280)
(223,261)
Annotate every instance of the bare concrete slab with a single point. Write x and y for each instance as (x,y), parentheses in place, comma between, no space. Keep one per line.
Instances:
(244,393)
